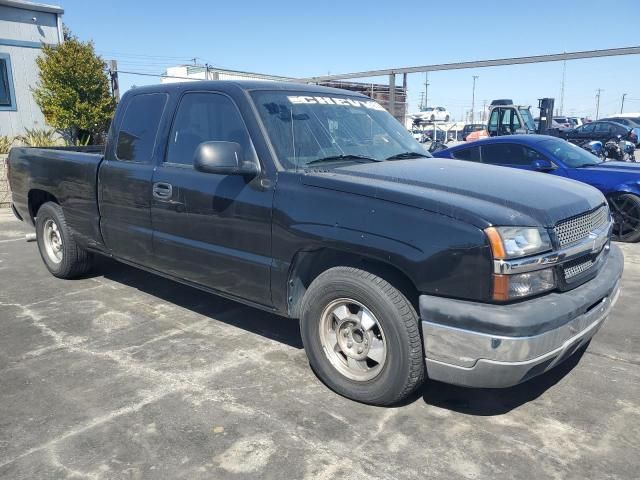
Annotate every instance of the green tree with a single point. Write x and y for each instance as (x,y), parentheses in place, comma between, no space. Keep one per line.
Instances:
(73,91)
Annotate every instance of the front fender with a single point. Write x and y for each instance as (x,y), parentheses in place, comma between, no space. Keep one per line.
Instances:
(438,254)
(629,187)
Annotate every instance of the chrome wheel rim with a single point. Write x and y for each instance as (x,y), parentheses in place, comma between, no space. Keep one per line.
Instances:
(353,339)
(626,217)
(52,241)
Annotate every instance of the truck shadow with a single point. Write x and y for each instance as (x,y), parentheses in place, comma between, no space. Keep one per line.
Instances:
(491,401)
(470,401)
(274,327)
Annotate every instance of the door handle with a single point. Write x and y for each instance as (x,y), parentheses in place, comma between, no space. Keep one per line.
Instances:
(162,191)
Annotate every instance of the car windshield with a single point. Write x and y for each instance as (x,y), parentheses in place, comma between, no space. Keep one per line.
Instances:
(569,154)
(307,128)
(528,119)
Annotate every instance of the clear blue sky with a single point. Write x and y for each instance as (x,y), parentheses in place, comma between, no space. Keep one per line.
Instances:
(312,38)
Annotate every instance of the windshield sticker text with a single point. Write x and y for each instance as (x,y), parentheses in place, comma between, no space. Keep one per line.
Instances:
(347,102)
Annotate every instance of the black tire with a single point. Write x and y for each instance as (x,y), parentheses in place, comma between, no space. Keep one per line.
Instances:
(75,261)
(625,208)
(433,118)
(446,119)
(403,369)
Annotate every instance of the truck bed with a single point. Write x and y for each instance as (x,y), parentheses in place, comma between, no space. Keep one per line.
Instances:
(67,173)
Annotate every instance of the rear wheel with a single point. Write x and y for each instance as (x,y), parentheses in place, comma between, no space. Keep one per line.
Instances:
(63,257)
(362,336)
(625,208)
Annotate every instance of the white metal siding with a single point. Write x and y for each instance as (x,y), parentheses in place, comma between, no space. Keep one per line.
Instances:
(25,77)
(18,27)
(18,24)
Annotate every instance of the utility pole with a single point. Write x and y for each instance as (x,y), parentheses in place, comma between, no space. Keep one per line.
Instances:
(564,72)
(113,75)
(484,110)
(426,89)
(421,107)
(473,98)
(598,102)
(622,103)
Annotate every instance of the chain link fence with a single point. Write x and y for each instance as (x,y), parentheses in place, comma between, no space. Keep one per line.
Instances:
(5,193)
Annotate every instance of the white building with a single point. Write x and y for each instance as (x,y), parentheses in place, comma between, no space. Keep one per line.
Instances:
(24,28)
(186,73)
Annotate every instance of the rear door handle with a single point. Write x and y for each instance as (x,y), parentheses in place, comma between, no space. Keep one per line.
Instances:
(162,191)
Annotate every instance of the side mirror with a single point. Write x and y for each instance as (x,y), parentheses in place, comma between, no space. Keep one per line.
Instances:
(542,165)
(223,158)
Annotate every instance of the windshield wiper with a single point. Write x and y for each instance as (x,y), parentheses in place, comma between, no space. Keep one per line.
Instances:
(337,158)
(403,155)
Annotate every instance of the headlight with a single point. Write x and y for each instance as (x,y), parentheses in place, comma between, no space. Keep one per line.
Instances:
(510,287)
(515,242)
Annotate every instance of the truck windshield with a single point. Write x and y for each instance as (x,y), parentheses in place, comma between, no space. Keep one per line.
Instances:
(528,119)
(306,128)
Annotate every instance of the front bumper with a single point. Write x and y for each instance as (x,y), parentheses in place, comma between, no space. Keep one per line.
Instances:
(493,346)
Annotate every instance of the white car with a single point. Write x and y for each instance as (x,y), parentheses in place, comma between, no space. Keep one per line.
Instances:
(431,114)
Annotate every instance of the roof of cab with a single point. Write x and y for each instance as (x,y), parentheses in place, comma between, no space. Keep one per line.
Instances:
(248,85)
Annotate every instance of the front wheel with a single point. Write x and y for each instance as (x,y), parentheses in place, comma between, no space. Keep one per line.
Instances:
(362,336)
(625,208)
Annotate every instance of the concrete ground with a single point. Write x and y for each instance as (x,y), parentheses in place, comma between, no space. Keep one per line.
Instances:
(124,375)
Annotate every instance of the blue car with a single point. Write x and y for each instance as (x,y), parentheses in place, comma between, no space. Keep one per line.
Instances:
(618,181)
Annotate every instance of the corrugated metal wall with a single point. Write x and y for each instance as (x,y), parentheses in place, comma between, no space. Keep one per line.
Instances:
(18,28)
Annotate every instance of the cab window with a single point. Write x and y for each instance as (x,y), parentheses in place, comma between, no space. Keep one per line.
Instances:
(204,117)
(139,127)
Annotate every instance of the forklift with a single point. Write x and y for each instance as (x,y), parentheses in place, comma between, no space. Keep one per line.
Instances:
(506,118)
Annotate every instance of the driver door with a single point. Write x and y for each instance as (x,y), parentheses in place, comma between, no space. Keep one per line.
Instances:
(212,229)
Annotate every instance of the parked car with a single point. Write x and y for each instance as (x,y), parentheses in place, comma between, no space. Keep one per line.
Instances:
(602,131)
(564,122)
(432,114)
(576,121)
(417,134)
(314,203)
(472,127)
(631,122)
(618,181)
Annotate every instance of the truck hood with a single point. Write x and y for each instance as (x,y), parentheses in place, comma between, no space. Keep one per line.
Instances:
(483,195)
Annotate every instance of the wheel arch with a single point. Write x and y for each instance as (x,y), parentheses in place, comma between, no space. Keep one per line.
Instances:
(308,264)
(36,198)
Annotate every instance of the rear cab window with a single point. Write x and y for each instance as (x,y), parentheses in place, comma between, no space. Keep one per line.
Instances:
(139,128)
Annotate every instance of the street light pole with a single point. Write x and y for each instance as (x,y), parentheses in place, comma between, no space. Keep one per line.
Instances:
(598,102)
(473,98)
(622,104)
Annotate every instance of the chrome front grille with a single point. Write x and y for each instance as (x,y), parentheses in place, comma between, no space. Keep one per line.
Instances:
(572,270)
(577,228)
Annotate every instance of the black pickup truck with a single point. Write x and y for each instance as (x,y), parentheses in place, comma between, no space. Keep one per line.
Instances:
(314,203)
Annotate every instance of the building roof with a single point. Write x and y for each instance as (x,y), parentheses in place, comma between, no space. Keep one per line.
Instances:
(36,7)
